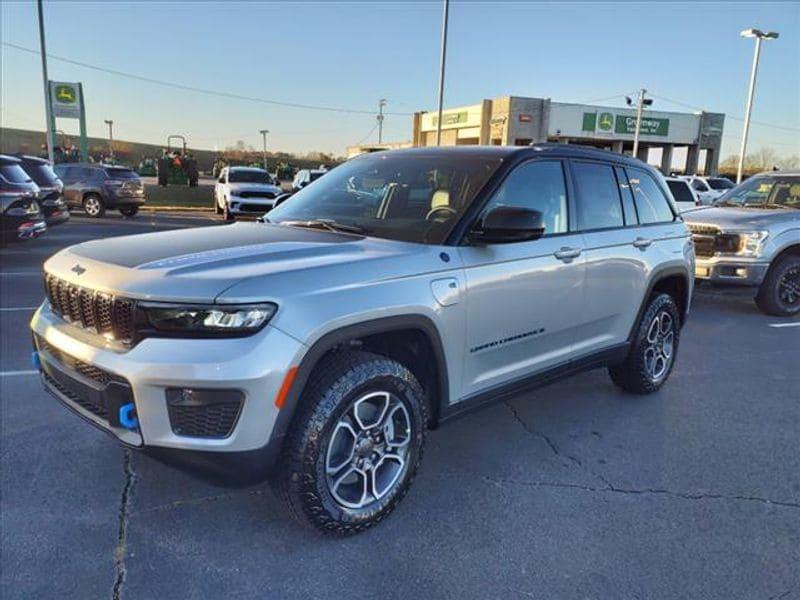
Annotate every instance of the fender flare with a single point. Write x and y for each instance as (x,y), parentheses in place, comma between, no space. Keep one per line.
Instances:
(659,275)
(336,337)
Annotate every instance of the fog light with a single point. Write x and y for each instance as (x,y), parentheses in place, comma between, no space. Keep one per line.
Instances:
(208,413)
(741,272)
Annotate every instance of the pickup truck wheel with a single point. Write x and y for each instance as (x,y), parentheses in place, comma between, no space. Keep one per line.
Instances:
(355,445)
(655,345)
(779,294)
(93,206)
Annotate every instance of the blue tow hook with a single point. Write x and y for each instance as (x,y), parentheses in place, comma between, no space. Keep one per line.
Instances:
(127,416)
(36,361)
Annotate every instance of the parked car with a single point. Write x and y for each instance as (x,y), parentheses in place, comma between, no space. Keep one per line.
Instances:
(244,191)
(20,216)
(709,189)
(751,237)
(306,176)
(98,187)
(51,189)
(333,335)
(685,197)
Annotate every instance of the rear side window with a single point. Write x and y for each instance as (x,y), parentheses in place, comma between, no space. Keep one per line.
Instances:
(699,186)
(598,200)
(537,185)
(680,191)
(14,174)
(651,203)
(121,174)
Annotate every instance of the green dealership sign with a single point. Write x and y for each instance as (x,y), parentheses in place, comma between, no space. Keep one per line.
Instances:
(606,122)
(452,118)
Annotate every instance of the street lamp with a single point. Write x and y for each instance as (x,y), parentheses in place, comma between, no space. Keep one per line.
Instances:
(442,59)
(640,104)
(381,104)
(110,124)
(264,133)
(759,35)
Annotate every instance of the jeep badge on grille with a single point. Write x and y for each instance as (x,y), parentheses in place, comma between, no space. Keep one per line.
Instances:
(78,270)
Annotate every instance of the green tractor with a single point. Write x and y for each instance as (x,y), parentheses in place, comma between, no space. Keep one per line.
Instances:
(148,167)
(177,166)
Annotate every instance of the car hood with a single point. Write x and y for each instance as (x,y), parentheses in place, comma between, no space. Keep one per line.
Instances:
(200,264)
(254,187)
(740,218)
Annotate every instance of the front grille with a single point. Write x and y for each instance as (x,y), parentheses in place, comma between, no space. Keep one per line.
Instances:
(704,238)
(259,208)
(85,402)
(100,312)
(256,194)
(73,364)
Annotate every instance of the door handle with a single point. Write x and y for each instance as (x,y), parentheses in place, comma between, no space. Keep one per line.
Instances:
(642,243)
(567,254)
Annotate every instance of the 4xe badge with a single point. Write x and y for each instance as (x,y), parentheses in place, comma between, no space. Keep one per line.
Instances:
(79,270)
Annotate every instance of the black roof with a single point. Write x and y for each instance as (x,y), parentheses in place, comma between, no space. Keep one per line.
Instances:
(545,148)
(28,158)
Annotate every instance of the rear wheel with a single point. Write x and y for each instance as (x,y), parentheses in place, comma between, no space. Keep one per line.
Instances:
(93,206)
(779,293)
(129,211)
(655,345)
(217,208)
(227,215)
(356,443)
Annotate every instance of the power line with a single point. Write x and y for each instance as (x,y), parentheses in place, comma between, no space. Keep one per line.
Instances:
(366,137)
(200,90)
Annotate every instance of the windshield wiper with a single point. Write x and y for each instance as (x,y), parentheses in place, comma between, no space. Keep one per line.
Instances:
(328,224)
(726,203)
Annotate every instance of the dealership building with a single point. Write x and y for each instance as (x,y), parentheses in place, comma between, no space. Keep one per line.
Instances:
(675,142)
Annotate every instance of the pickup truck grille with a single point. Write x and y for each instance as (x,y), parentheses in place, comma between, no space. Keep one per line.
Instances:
(704,238)
(97,311)
(256,194)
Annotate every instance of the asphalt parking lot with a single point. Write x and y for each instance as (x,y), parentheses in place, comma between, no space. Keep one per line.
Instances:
(574,491)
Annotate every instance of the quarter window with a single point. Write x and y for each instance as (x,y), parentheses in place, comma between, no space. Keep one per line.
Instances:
(651,203)
(537,185)
(598,201)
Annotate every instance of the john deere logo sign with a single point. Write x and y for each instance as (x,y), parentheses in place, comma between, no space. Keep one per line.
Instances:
(65,99)
(452,118)
(605,121)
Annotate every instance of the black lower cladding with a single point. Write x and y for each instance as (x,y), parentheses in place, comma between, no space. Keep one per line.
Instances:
(204,413)
(97,391)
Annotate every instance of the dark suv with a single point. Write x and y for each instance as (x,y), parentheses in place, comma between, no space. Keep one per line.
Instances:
(98,187)
(20,217)
(51,188)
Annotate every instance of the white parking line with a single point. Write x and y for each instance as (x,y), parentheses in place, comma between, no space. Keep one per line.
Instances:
(21,273)
(18,308)
(785,324)
(17,373)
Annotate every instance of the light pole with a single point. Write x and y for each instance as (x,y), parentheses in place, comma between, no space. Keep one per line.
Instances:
(48,109)
(759,35)
(640,104)
(381,104)
(264,133)
(110,124)
(441,71)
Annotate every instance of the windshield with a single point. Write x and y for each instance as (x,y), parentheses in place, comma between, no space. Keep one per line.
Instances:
(121,173)
(14,174)
(42,174)
(680,191)
(242,176)
(764,192)
(400,197)
(720,183)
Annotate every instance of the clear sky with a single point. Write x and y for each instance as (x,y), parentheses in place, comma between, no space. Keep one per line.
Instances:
(350,54)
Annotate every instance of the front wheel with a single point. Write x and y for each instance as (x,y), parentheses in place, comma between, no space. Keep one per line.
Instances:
(129,211)
(655,345)
(356,443)
(779,294)
(93,206)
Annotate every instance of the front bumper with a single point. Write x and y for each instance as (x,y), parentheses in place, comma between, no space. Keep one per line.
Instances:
(117,198)
(255,366)
(250,206)
(730,270)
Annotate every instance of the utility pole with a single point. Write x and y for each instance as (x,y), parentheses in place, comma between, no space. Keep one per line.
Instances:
(48,109)
(264,133)
(441,71)
(381,104)
(640,104)
(759,35)
(110,124)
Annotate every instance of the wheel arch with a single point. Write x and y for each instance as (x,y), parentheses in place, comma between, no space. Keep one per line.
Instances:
(670,280)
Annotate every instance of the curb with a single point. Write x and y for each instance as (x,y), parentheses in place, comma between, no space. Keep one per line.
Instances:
(176,208)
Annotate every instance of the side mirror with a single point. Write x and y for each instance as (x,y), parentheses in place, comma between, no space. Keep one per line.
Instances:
(507,224)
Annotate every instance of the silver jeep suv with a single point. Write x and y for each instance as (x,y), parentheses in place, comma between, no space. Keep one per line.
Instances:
(396,292)
(751,237)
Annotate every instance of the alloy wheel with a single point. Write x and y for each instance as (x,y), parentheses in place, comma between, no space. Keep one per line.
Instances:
(660,346)
(789,287)
(92,206)
(368,450)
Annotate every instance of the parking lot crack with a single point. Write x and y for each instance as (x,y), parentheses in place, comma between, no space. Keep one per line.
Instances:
(121,548)
(202,500)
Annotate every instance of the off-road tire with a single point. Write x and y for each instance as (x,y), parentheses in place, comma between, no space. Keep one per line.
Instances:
(227,215)
(768,298)
(129,211)
(340,380)
(217,207)
(632,375)
(89,200)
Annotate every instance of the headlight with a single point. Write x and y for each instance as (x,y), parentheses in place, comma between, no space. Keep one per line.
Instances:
(202,320)
(751,242)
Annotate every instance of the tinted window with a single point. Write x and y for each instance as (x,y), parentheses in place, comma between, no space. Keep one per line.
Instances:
(764,191)
(720,183)
(680,191)
(627,197)
(539,186)
(651,203)
(598,201)
(247,176)
(699,186)
(121,173)
(41,173)
(14,174)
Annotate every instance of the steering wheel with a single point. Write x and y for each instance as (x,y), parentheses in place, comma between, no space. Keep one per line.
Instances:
(443,209)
